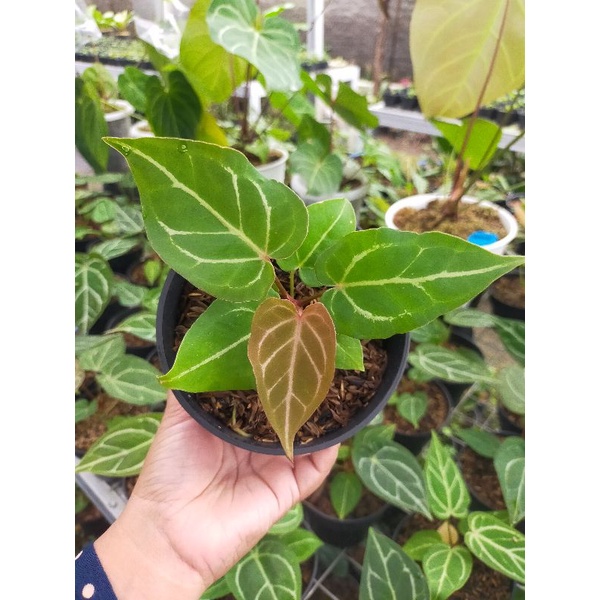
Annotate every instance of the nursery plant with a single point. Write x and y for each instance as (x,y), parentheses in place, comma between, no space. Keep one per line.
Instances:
(227,230)
(445,553)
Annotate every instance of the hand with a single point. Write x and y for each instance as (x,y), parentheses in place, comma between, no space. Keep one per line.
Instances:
(199,505)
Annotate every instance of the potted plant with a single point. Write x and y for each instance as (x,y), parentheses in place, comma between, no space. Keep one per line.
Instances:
(449,89)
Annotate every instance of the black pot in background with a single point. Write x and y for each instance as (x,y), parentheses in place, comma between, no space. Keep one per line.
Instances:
(120,264)
(101,325)
(408,102)
(391,98)
(397,348)
(143,347)
(499,307)
(487,112)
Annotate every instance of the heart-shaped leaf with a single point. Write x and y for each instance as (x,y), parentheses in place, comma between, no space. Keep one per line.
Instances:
(387,281)
(446,488)
(509,463)
(271,45)
(132,87)
(420,542)
(292,353)
(320,170)
(412,407)
(452,47)
(447,570)
(211,216)
(388,572)
(496,544)
(121,451)
(346,490)
(93,289)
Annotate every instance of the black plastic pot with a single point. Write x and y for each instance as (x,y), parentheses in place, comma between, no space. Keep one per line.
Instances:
(120,264)
(501,308)
(397,348)
(408,102)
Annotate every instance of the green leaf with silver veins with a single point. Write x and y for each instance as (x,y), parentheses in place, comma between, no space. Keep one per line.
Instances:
(110,249)
(98,357)
(512,335)
(290,521)
(301,542)
(142,325)
(93,289)
(509,463)
(511,387)
(446,569)
(346,490)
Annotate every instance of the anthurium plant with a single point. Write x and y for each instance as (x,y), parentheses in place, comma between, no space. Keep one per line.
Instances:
(230,232)
(445,553)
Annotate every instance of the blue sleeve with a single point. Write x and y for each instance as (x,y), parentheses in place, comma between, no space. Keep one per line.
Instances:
(91,581)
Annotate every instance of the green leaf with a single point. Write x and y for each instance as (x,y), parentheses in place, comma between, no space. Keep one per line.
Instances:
(213,355)
(110,249)
(387,281)
(434,332)
(328,221)
(173,110)
(349,353)
(132,84)
(90,126)
(481,441)
(446,489)
(388,572)
(129,294)
(122,450)
(346,490)
(85,342)
(292,354)
(93,289)
(511,387)
(419,543)
(217,590)
(450,365)
(99,356)
(211,216)
(133,380)
(301,542)
(270,571)
(320,170)
(512,335)
(447,570)
(470,317)
(496,544)
(390,471)
(290,521)
(452,47)
(509,463)
(412,407)
(84,409)
(141,325)
(271,45)
(126,220)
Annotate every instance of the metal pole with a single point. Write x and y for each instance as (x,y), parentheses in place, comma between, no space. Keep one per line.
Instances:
(315,19)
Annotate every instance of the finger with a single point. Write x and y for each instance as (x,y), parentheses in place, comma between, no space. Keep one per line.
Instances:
(311,470)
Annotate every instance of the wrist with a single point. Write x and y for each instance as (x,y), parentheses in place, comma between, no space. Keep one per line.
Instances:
(140,561)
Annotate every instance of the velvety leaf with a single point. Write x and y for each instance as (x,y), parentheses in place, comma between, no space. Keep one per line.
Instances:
(509,463)
(84,409)
(511,387)
(293,358)
(412,407)
(388,572)
(390,471)
(483,139)
(270,571)
(272,45)
(452,47)
(132,379)
(211,216)
(446,488)
(202,59)
(121,451)
(450,365)
(420,542)
(349,353)
(301,542)
(447,570)
(320,170)
(481,441)
(173,110)
(328,221)
(290,521)
(387,281)
(90,126)
(97,357)
(512,335)
(85,342)
(132,84)
(346,490)
(141,325)
(213,355)
(110,249)
(498,545)
(470,317)
(129,294)
(93,288)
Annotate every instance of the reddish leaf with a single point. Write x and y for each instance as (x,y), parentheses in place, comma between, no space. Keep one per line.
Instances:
(292,352)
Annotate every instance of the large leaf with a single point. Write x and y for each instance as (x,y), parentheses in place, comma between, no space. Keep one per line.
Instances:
(512,335)
(212,71)
(133,380)
(90,126)
(214,352)
(450,365)
(388,572)
(498,545)
(509,463)
(271,45)
(446,488)
(121,451)
(447,569)
(93,288)
(173,109)
(211,216)
(141,325)
(511,387)
(292,353)
(132,87)
(346,490)
(270,571)
(389,470)
(320,170)
(454,45)
(328,221)
(387,281)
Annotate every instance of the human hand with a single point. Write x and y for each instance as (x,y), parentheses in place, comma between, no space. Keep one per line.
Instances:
(199,505)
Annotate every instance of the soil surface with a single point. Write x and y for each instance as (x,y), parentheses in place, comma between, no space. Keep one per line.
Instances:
(481,479)
(509,289)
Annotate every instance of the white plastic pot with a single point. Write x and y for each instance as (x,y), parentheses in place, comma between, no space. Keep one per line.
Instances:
(140,129)
(508,221)
(276,168)
(119,124)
